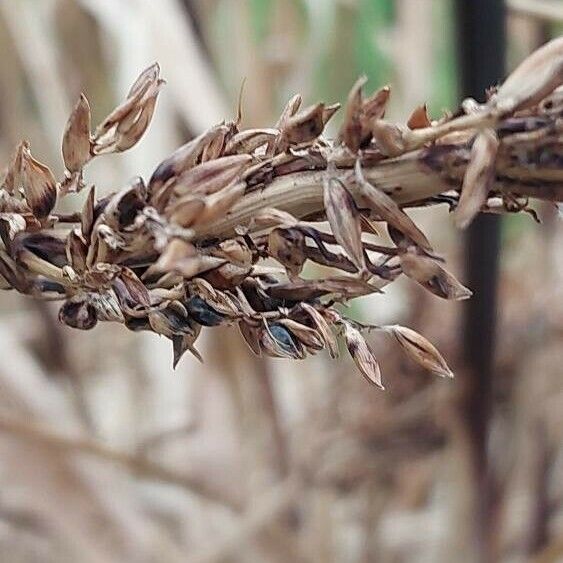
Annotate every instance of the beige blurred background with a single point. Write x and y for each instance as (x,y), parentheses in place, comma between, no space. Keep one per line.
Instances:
(108,455)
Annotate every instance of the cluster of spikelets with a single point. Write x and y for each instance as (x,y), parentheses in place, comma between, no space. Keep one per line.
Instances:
(187,250)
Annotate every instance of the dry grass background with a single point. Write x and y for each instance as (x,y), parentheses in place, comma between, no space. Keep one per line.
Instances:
(108,455)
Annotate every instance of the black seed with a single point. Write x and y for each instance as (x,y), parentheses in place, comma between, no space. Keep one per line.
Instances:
(283,338)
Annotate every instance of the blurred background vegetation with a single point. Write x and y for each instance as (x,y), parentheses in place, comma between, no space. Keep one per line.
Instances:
(108,455)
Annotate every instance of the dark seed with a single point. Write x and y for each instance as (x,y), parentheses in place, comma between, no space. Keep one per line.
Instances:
(203,313)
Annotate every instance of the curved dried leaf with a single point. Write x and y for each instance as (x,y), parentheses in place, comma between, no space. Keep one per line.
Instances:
(323,329)
(39,185)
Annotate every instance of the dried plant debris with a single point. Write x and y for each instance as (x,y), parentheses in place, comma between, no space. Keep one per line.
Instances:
(222,230)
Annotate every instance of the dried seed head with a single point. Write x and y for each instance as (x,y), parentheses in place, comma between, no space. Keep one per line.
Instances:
(420,350)
(76,139)
(39,185)
(362,355)
(344,219)
(186,210)
(479,177)
(246,142)
(378,201)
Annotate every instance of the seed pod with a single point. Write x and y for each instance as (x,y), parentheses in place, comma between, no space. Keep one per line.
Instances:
(345,222)
(125,124)
(87,215)
(373,108)
(76,251)
(10,225)
(203,313)
(388,210)
(536,77)
(479,177)
(212,176)
(171,321)
(107,306)
(270,216)
(287,246)
(182,159)
(76,139)
(182,258)
(185,210)
(329,111)
(351,129)
(277,341)
(362,355)
(251,336)
(307,336)
(290,109)
(304,290)
(217,205)
(77,312)
(323,329)
(433,277)
(181,343)
(420,350)
(13,176)
(388,137)
(130,291)
(419,118)
(246,142)
(302,128)
(39,185)
(124,206)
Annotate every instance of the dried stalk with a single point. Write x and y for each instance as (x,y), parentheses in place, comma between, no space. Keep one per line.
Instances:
(185,250)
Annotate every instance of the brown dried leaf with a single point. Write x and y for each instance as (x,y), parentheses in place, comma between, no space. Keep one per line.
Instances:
(345,222)
(388,210)
(76,138)
(420,350)
(479,177)
(362,355)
